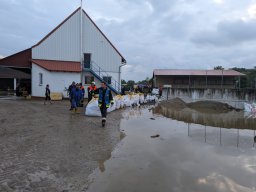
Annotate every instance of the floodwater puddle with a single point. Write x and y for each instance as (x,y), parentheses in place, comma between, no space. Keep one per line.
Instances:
(186,156)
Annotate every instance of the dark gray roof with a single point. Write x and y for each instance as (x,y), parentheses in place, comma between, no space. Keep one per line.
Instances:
(6,72)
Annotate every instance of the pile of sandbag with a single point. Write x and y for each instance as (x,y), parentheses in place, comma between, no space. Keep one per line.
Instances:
(120,102)
(155,91)
(250,107)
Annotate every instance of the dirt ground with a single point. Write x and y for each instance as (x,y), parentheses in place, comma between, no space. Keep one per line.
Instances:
(48,148)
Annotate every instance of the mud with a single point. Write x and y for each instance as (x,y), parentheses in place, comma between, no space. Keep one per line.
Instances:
(47,148)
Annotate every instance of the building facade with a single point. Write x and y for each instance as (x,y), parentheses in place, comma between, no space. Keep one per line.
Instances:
(76,50)
(205,79)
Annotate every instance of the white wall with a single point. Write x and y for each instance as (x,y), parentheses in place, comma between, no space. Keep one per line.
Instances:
(64,44)
(57,81)
(230,96)
(103,53)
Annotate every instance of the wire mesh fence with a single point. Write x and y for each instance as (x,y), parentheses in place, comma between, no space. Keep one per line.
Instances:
(243,138)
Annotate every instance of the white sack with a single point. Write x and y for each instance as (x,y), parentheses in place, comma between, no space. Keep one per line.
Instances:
(92,109)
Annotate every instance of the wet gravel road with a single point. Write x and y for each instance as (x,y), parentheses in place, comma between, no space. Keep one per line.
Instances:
(48,148)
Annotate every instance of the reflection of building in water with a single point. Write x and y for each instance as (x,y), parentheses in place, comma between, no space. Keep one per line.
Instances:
(222,136)
(133,112)
(232,119)
(229,129)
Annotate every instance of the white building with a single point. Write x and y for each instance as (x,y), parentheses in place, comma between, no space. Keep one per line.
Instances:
(56,59)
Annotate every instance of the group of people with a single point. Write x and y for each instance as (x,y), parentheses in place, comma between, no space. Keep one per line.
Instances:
(76,96)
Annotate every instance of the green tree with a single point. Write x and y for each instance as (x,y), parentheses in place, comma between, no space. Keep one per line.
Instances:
(146,81)
(130,83)
(218,68)
(123,81)
(249,80)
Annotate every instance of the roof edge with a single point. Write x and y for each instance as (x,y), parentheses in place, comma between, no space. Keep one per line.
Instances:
(206,70)
(124,61)
(54,60)
(36,63)
(55,29)
(15,54)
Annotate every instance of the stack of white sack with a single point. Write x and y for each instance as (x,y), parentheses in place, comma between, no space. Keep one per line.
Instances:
(155,91)
(119,100)
(151,98)
(92,108)
(250,107)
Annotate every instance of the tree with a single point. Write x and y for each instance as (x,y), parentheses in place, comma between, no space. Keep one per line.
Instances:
(218,68)
(123,81)
(249,80)
(146,81)
(130,83)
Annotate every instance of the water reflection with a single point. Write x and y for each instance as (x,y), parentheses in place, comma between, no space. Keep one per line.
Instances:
(232,119)
(176,161)
(222,136)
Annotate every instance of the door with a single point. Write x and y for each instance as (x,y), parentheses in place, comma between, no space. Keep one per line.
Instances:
(87,60)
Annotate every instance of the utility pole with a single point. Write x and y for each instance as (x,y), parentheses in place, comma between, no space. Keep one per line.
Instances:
(81,40)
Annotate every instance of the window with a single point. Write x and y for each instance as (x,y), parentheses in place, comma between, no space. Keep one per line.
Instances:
(88,79)
(107,79)
(87,60)
(40,79)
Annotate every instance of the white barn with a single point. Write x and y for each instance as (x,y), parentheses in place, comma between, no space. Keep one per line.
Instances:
(59,58)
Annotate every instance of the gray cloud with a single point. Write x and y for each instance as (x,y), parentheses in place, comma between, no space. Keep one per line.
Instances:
(227,33)
(150,34)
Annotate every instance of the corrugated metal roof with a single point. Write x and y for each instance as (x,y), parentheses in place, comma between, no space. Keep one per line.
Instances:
(11,74)
(186,72)
(61,66)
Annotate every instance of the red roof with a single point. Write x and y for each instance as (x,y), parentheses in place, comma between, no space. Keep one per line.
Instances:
(18,60)
(186,72)
(59,66)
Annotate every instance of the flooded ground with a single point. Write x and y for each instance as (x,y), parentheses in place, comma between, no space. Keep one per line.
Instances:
(180,149)
(47,148)
(164,154)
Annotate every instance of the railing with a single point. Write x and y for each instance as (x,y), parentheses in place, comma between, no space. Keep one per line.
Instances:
(102,73)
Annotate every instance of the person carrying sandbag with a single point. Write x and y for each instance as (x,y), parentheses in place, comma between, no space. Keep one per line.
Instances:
(91,91)
(104,101)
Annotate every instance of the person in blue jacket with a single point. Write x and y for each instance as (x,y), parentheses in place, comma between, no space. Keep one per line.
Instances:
(105,99)
(76,95)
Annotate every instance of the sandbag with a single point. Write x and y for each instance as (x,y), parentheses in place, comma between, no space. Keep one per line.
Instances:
(142,98)
(118,99)
(155,91)
(127,100)
(135,100)
(92,109)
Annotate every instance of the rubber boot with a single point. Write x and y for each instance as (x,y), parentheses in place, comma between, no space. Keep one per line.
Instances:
(103,122)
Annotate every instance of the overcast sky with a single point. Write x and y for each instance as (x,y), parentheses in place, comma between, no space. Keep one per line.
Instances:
(150,34)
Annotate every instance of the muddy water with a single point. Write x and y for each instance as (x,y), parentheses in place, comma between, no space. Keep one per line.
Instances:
(231,119)
(182,159)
